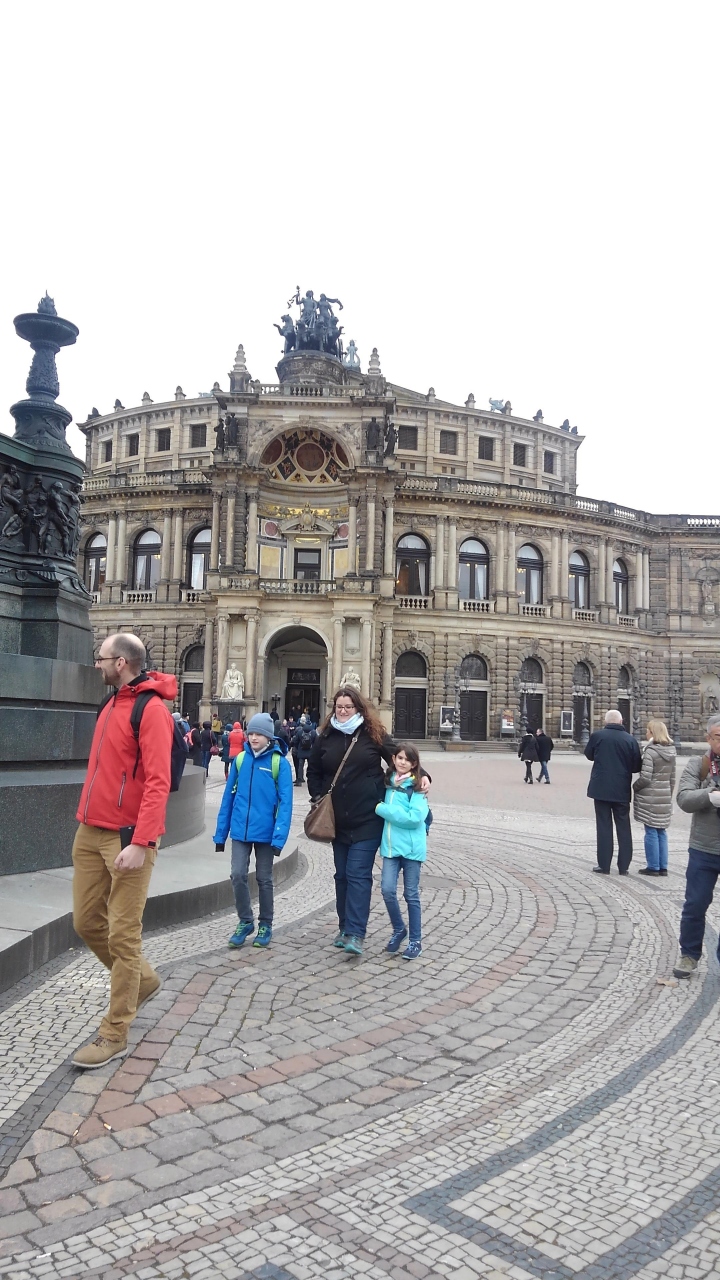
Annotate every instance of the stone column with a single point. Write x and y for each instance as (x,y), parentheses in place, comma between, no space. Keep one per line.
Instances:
(440,553)
(639,594)
(251,661)
(166,546)
(646,581)
(178,547)
(365,656)
(208,660)
(215,534)
(370,534)
(564,566)
(601,574)
(337,653)
(230,527)
(121,552)
(222,644)
(386,690)
(452,567)
(511,587)
(500,554)
(251,554)
(609,581)
(555,566)
(110,554)
(352,533)
(389,547)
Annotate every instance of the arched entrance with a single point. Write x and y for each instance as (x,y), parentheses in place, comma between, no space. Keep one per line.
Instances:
(295,677)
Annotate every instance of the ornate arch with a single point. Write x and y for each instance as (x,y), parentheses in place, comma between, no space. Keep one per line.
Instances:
(305,455)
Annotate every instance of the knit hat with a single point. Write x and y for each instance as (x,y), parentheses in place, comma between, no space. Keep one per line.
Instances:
(176,717)
(262,723)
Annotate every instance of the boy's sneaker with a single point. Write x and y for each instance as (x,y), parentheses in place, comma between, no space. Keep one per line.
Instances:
(98,1052)
(412,951)
(353,944)
(394,943)
(685,966)
(340,939)
(264,934)
(241,934)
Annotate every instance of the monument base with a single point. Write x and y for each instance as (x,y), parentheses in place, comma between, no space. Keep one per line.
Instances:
(229,711)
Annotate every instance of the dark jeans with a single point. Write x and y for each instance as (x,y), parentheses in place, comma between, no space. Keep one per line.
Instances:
(528,770)
(605,812)
(205,758)
(353,884)
(239,867)
(299,762)
(702,872)
(410,867)
(543,771)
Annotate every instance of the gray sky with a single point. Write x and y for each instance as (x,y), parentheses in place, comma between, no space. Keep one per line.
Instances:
(516,199)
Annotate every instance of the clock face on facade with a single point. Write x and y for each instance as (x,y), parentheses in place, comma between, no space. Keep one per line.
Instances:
(305,457)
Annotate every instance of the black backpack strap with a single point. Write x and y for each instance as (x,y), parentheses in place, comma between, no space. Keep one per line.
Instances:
(108,698)
(136,716)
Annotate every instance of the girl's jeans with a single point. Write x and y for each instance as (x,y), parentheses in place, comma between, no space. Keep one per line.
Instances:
(656,848)
(411,868)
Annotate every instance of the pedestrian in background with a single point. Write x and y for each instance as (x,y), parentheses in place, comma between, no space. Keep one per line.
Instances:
(527,751)
(699,794)
(653,795)
(194,745)
(616,757)
(208,741)
(225,747)
(544,747)
(236,740)
(302,743)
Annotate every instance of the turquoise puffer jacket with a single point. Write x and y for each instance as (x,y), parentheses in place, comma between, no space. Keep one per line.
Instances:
(404,834)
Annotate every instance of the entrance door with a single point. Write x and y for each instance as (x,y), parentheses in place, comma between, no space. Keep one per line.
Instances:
(410,713)
(307,565)
(581,708)
(191,695)
(473,715)
(624,709)
(534,712)
(302,692)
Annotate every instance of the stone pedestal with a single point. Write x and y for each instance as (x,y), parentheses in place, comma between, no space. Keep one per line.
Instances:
(229,711)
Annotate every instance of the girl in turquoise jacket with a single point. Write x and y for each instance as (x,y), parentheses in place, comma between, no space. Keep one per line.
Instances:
(403,847)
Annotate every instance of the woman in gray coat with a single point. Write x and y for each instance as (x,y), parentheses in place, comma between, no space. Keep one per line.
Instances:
(653,796)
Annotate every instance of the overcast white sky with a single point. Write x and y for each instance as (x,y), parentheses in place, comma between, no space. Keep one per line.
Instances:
(517,199)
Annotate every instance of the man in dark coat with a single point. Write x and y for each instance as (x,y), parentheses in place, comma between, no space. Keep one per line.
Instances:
(527,751)
(302,742)
(616,757)
(544,746)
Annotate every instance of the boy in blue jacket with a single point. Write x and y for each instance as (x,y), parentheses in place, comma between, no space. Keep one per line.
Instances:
(256,810)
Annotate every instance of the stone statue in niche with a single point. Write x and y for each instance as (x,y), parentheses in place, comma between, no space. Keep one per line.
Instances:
(231,430)
(374,435)
(706,593)
(220,435)
(351,679)
(390,439)
(233,686)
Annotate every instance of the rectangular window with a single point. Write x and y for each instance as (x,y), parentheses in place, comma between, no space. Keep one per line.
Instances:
(549,463)
(407,438)
(107,450)
(519,455)
(486,448)
(133,445)
(448,442)
(163,440)
(198,435)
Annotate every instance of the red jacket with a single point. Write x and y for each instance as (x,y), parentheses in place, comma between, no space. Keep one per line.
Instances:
(236,740)
(111,797)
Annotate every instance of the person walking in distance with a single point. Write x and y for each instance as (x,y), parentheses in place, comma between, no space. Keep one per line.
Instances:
(699,794)
(121,816)
(616,757)
(236,740)
(544,747)
(653,795)
(302,746)
(527,752)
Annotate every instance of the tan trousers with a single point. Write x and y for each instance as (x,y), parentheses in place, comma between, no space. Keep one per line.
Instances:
(108,908)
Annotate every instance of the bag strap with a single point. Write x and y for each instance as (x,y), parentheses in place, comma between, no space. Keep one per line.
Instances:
(274,766)
(704,768)
(342,763)
(136,716)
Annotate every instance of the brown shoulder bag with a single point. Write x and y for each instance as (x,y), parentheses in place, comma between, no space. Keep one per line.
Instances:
(320,822)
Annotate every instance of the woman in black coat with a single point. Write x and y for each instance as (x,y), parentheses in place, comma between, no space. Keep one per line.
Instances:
(358,790)
(527,751)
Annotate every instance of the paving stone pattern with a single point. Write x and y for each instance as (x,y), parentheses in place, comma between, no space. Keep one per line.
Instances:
(525,1100)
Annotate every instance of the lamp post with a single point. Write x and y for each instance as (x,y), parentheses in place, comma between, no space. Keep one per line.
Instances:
(461,686)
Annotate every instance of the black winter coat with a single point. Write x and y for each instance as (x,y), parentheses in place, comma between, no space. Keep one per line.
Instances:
(298,748)
(544,746)
(528,748)
(616,757)
(361,784)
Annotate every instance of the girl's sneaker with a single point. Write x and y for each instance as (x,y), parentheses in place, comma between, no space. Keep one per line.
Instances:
(264,934)
(412,951)
(353,944)
(340,939)
(396,940)
(241,934)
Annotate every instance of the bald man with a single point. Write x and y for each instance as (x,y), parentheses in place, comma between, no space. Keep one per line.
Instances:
(121,816)
(616,757)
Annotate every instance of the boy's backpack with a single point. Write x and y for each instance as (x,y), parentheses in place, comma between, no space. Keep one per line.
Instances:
(178,747)
(274,765)
(305,740)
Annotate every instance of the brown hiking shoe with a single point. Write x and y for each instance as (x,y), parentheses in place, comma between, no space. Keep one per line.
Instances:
(149,990)
(98,1052)
(685,966)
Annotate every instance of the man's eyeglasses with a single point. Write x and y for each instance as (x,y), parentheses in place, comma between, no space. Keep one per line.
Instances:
(107,657)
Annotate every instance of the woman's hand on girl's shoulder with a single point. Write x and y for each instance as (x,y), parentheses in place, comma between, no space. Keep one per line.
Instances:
(425,784)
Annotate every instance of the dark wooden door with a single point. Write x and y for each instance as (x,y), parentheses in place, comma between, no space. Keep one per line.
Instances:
(191,695)
(624,709)
(410,713)
(534,711)
(473,715)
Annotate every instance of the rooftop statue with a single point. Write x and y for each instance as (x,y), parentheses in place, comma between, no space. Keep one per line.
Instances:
(316,328)
(351,358)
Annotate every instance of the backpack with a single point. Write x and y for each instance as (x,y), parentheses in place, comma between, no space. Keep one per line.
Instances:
(178,748)
(274,765)
(305,740)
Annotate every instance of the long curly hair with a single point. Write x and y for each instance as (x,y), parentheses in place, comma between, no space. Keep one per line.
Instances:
(373,723)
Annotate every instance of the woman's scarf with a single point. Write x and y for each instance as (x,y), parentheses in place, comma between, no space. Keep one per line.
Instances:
(347,726)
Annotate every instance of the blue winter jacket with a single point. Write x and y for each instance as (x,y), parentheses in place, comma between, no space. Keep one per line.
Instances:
(259,810)
(404,833)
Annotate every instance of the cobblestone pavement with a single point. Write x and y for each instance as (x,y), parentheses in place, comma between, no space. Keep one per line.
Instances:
(525,1100)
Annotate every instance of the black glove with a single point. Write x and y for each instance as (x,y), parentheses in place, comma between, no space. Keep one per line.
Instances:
(276,851)
(220,848)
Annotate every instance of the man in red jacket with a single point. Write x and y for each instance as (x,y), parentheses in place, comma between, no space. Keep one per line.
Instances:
(121,816)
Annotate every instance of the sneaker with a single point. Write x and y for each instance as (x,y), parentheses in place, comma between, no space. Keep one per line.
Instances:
(648,871)
(242,932)
(397,938)
(685,966)
(412,951)
(149,991)
(98,1052)
(340,939)
(264,934)
(353,944)
(662,871)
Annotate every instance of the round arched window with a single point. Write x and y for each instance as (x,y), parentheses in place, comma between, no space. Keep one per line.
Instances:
(579,580)
(582,675)
(194,658)
(473,575)
(625,678)
(95,561)
(473,667)
(529,574)
(620,582)
(531,671)
(412,564)
(147,560)
(199,559)
(411,666)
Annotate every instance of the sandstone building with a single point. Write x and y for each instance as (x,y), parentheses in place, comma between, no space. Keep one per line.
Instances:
(333,521)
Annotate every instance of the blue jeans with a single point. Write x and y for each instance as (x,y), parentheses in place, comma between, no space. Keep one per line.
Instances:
(205,758)
(353,884)
(702,872)
(543,771)
(239,867)
(410,868)
(656,848)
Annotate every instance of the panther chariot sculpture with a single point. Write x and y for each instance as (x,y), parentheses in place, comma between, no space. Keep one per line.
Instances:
(316,328)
